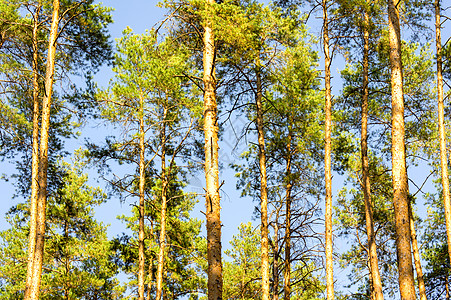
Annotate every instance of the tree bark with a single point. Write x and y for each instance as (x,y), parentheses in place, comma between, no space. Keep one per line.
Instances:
(142,180)
(275,270)
(34,156)
(441,127)
(263,192)
(163,210)
(447,296)
(288,201)
(212,198)
(400,200)
(149,284)
(416,255)
(328,159)
(372,248)
(33,292)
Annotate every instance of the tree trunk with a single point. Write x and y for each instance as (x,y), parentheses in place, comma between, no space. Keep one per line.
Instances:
(149,284)
(288,200)
(275,270)
(372,248)
(416,255)
(263,192)
(34,156)
(212,198)
(447,296)
(328,159)
(163,210)
(441,127)
(33,292)
(400,200)
(142,180)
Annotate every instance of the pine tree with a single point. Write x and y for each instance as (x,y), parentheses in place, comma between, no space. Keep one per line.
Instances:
(76,262)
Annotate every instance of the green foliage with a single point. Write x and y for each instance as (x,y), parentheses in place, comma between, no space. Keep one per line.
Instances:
(438,270)
(77,258)
(351,224)
(242,273)
(185,250)
(83,45)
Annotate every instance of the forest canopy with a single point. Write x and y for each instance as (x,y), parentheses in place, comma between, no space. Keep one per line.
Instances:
(235,149)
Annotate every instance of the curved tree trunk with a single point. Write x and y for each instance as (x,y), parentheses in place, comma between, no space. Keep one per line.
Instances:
(328,159)
(263,192)
(372,248)
(212,198)
(33,292)
(163,210)
(441,127)
(400,200)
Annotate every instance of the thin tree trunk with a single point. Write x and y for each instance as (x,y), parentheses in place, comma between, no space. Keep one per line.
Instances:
(43,158)
(263,192)
(163,210)
(149,284)
(400,200)
(212,198)
(372,248)
(34,156)
(416,255)
(142,180)
(447,296)
(328,159)
(288,200)
(441,127)
(275,270)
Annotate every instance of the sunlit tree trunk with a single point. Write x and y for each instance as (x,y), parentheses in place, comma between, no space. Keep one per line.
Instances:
(327,158)
(441,127)
(212,198)
(142,180)
(33,292)
(263,191)
(150,272)
(447,296)
(416,255)
(275,270)
(400,200)
(372,248)
(34,155)
(164,182)
(288,201)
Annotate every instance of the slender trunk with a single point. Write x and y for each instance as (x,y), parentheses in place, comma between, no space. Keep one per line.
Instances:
(328,159)
(67,285)
(372,248)
(400,200)
(275,270)
(263,192)
(163,209)
(441,126)
(142,180)
(43,158)
(288,200)
(416,255)
(149,284)
(34,156)
(212,198)
(447,296)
